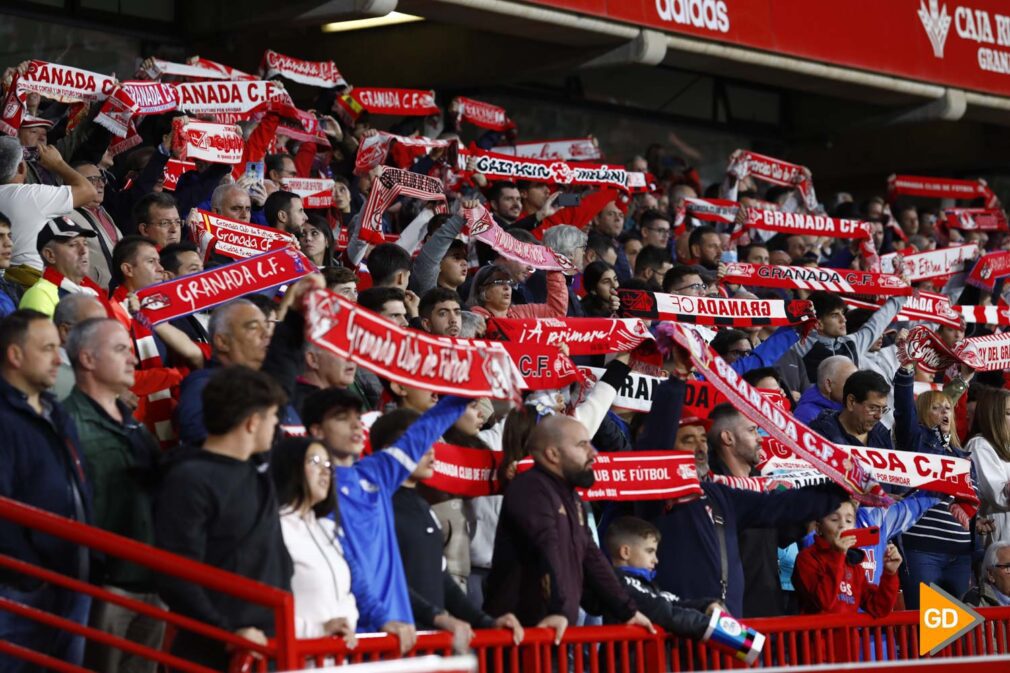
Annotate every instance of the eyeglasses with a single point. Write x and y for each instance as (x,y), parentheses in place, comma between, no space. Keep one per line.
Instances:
(96,180)
(168,224)
(876,409)
(662,231)
(693,286)
(501,283)
(324,463)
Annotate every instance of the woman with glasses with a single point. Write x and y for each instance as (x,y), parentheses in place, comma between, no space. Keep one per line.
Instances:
(938,548)
(316,240)
(321,584)
(491,296)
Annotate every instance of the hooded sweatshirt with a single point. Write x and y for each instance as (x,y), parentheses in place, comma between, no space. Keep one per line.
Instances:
(831,581)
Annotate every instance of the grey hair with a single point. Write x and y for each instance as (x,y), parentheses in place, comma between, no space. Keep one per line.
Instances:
(989,561)
(220,192)
(69,309)
(84,336)
(565,239)
(11,156)
(470,322)
(219,318)
(828,368)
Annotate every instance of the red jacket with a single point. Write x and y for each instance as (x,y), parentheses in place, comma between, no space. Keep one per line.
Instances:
(828,582)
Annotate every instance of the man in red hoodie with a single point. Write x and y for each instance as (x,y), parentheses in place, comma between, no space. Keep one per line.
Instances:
(829,576)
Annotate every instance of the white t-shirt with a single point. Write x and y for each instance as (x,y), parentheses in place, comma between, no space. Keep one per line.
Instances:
(29,207)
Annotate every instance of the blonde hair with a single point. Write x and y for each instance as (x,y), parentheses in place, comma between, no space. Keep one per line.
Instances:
(925,402)
(990,419)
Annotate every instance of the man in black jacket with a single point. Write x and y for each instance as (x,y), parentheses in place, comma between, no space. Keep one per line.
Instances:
(215,506)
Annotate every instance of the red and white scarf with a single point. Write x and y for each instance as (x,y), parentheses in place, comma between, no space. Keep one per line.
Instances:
(322,74)
(923,347)
(65,286)
(199,70)
(714,310)
(389,186)
(479,113)
(160,404)
(941,188)
(568,149)
(174,168)
(241,99)
(976,219)
(744,163)
(51,80)
(641,475)
(989,269)
(985,353)
(989,353)
(131,100)
(584,336)
(229,72)
(203,291)
(931,264)
(480,226)
(495,166)
(388,101)
(804,225)
(806,278)
(544,368)
(235,239)
(921,307)
(708,210)
(471,368)
(207,141)
(779,423)
(985,315)
(300,126)
(314,192)
(374,149)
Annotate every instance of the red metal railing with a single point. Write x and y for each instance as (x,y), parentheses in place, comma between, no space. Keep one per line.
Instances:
(824,639)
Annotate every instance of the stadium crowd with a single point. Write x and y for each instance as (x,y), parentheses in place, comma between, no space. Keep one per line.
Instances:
(239,435)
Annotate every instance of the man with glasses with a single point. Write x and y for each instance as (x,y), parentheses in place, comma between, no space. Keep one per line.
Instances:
(156,216)
(93,216)
(864,401)
(995,588)
(655,229)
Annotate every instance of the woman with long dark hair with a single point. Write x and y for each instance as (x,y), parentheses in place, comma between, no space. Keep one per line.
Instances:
(599,280)
(990,453)
(321,584)
(316,239)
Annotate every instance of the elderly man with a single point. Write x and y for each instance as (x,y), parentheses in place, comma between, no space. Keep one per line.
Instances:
(995,588)
(43,468)
(29,207)
(832,374)
(73,309)
(571,242)
(156,216)
(230,200)
(121,456)
(544,554)
(94,217)
(65,253)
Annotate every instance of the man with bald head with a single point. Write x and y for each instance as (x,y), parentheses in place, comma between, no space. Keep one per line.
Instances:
(544,553)
(72,309)
(832,374)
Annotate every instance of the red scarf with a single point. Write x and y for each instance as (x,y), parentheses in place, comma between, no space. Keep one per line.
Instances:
(744,163)
(985,315)
(174,169)
(479,113)
(708,210)
(989,269)
(374,149)
(203,291)
(237,98)
(544,368)
(314,192)
(207,141)
(941,188)
(921,307)
(235,239)
(387,101)
(65,286)
(323,74)
(804,225)
(495,166)
(976,219)
(844,281)
(714,310)
(200,69)
(985,353)
(389,186)
(51,80)
(131,100)
(480,226)
(584,336)
(779,423)
(448,366)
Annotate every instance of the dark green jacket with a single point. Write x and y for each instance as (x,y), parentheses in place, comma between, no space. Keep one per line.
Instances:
(119,459)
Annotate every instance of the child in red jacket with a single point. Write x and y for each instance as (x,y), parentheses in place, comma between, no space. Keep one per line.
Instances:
(829,575)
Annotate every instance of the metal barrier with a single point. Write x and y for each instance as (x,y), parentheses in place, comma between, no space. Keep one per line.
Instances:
(791,641)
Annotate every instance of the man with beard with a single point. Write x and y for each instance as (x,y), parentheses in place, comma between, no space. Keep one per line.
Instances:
(544,554)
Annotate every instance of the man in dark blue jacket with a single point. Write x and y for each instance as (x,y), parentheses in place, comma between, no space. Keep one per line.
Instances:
(864,400)
(42,467)
(699,552)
